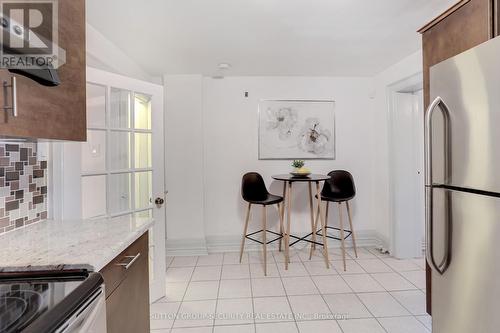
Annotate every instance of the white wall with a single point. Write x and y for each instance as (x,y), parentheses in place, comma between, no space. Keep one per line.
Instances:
(229,129)
(184,175)
(406,68)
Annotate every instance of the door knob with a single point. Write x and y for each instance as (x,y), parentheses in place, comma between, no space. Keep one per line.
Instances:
(159,201)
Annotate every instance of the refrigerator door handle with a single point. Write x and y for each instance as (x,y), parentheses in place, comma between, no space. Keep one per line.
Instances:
(438,103)
(429,230)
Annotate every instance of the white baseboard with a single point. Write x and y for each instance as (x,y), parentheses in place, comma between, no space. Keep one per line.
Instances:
(232,243)
(186,247)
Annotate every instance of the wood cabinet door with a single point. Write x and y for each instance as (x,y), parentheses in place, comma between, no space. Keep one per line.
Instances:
(465,25)
(496,18)
(113,273)
(127,308)
(54,112)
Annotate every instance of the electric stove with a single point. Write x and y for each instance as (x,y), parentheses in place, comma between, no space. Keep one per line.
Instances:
(26,298)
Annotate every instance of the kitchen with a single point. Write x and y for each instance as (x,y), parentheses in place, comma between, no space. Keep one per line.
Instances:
(184,166)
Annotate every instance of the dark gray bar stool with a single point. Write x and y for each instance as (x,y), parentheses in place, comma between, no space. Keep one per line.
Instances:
(254,191)
(339,188)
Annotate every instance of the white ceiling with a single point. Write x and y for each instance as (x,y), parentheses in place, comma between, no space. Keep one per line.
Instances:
(264,37)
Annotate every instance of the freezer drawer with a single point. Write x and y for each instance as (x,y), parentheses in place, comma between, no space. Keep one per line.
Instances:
(466,298)
(468,85)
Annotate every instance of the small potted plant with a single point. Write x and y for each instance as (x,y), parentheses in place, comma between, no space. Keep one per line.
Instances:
(299,169)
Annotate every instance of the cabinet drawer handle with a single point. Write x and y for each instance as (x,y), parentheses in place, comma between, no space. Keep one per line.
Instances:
(13,86)
(13,83)
(129,263)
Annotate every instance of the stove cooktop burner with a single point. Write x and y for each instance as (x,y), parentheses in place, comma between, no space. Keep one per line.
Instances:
(25,297)
(18,308)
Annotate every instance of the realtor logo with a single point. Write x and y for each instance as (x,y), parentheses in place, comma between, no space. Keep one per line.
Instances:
(29,34)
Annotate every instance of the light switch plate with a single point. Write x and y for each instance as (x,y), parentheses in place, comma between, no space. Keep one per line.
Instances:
(43,151)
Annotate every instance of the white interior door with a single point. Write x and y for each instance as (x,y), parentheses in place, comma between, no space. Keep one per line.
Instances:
(406,175)
(122,162)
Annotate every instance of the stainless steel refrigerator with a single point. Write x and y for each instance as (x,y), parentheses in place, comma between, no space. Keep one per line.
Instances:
(463,191)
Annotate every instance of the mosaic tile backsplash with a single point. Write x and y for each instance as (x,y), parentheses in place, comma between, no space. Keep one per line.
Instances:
(23,186)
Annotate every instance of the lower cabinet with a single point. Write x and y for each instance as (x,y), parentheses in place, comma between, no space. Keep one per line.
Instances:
(127,289)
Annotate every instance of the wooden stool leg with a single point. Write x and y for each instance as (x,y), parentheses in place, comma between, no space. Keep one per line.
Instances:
(352,228)
(323,228)
(245,228)
(342,241)
(281,227)
(281,221)
(282,214)
(264,237)
(326,213)
(315,228)
(287,238)
(311,212)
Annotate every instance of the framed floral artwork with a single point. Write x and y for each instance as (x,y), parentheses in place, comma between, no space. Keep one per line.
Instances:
(296,129)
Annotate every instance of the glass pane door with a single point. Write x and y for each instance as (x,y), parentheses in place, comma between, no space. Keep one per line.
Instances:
(117,157)
(123,160)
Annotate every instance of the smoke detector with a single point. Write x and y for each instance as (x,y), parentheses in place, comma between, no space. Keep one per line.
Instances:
(224,66)
(221,68)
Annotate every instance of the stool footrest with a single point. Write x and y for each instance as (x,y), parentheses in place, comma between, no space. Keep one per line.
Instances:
(304,239)
(348,232)
(280,236)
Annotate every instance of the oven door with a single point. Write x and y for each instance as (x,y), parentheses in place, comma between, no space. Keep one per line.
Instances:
(90,317)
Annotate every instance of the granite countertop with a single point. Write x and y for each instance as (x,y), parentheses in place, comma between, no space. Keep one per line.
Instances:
(69,244)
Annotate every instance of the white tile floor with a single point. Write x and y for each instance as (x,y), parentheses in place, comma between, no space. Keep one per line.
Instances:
(217,294)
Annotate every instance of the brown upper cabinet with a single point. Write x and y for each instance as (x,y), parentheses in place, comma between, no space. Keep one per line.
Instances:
(56,113)
(466,24)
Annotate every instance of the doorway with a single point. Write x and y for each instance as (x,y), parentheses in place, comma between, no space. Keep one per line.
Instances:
(406,168)
(119,170)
